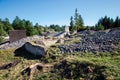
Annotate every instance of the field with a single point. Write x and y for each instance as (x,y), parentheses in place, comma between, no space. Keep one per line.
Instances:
(78,66)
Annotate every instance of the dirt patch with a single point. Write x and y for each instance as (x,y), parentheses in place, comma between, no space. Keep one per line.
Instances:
(9,65)
(29,71)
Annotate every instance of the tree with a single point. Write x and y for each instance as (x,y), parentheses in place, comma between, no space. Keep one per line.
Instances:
(111,23)
(18,23)
(38,28)
(78,21)
(58,28)
(1,39)
(36,25)
(7,26)
(2,31)
(99,27)
(22,24)
(92,27)
(72,28)
(117,22)
(30,30)
(55,27)
(107,22)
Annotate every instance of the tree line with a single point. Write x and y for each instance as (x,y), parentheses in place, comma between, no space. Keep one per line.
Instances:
(77,23)
(22,24)
(107,23)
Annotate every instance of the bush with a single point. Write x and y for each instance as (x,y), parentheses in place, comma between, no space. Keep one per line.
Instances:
(100,27)
(1,39)
(2,31)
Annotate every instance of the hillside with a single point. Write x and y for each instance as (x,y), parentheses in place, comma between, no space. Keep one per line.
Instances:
(88,55)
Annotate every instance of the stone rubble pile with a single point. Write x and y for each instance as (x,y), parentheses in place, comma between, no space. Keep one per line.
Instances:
(20,42)
(99,41)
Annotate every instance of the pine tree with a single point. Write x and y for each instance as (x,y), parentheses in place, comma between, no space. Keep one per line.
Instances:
(117,22)
(111,23)
(108,22)
(18,23)
(72,28)
(78,21)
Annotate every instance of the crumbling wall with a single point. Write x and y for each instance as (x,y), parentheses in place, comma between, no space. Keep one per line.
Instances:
(16,35)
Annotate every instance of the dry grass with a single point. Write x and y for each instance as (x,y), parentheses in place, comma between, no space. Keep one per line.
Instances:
(111,63)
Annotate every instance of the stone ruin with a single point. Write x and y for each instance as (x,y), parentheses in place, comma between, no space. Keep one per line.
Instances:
(67,30)
(16,35)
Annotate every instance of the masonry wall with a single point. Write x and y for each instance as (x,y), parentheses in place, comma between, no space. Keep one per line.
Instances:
(16,35)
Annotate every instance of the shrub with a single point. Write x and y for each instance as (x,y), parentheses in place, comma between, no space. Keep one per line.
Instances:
(1,39)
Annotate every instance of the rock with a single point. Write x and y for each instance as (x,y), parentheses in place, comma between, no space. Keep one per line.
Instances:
(35,49)
(99,41)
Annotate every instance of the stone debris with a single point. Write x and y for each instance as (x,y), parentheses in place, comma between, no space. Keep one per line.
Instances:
(19,43)
(90,41)
(99,41)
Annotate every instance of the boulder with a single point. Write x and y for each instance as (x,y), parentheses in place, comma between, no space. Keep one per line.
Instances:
(35,50)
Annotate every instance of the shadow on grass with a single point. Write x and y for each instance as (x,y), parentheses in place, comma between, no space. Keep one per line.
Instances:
(9,65)
(76,70)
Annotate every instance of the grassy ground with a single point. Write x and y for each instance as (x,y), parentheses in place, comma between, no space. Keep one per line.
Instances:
(79,66)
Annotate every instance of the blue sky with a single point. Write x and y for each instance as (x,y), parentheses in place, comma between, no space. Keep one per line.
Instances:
(47,12)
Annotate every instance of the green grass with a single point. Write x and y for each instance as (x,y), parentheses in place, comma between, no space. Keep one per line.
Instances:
(106,64)
(1,39)
(14,73)
(6,55)
(119,44)
(109,61)
(72,40)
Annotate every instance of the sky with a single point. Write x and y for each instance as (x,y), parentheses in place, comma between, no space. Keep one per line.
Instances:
(47,12)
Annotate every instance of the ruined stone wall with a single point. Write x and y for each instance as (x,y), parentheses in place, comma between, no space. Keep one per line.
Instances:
(16,35)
